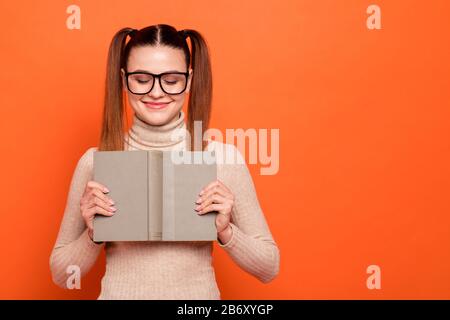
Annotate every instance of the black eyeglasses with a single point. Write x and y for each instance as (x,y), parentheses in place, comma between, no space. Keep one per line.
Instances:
(170,82)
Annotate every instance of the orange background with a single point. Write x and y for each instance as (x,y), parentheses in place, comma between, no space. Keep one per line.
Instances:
(364,136)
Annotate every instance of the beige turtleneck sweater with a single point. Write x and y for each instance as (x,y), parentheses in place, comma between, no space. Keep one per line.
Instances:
(160,269)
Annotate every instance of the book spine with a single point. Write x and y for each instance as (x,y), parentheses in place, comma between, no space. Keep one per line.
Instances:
(168,212)
(147,174)
(155,185)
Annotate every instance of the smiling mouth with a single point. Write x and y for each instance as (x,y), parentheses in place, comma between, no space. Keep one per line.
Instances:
(156,105)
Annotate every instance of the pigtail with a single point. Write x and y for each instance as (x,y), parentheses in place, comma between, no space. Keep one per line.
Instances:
(112,132)
(199,106)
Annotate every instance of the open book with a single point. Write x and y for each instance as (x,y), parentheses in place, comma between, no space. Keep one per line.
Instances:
(154,193)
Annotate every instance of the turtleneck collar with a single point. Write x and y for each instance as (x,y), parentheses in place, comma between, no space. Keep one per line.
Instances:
(144,136)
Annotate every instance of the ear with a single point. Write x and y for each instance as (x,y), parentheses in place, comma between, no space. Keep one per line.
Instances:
(188,87)
(122,73)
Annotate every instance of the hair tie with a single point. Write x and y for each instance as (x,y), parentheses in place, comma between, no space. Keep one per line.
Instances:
(183,33)
(133,32)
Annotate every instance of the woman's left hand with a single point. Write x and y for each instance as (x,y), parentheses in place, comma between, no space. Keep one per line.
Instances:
(217,197)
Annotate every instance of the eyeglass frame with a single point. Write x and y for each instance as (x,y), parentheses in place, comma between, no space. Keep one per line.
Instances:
(157,77)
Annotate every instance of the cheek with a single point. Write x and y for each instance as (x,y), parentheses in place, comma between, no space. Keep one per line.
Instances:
(134,97)
(134,101)
(179,100)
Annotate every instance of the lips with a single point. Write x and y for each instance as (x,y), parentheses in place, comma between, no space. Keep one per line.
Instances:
(156,105)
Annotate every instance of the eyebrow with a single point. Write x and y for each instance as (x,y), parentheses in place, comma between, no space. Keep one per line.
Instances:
(146,71)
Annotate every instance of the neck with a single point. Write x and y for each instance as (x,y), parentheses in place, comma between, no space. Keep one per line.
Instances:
(144,136)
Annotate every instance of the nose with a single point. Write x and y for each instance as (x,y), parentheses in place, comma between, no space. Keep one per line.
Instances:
(156,91)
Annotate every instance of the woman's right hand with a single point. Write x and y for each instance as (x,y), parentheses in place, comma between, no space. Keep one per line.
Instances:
(93,202)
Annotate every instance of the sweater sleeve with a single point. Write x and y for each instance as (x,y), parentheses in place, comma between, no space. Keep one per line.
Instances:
(251,246)
(73,246)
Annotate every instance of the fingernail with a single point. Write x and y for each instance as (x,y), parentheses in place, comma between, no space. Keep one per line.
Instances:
(110,201)
(201,192)
(197,208)
(113,209)
(198,200)
(105,189)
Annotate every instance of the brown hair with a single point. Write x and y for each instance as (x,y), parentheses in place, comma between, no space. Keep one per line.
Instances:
(200,95)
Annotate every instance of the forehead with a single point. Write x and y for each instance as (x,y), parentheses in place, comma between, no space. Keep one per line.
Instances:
(156,59)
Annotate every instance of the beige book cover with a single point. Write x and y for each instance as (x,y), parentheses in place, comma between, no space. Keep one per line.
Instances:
(154,193)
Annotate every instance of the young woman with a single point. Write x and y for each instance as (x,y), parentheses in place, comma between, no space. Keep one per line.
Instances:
(153,67)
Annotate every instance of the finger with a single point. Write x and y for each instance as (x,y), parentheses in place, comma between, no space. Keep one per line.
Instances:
(98,210)
(213,207)
(214,190)
(91,212)
(104,205)
(88,201)
(218,185)
(103,212)
(102,196)
(215,198)
(95,184)
(208,186)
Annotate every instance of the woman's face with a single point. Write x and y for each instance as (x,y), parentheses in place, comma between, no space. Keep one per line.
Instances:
(156,59)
